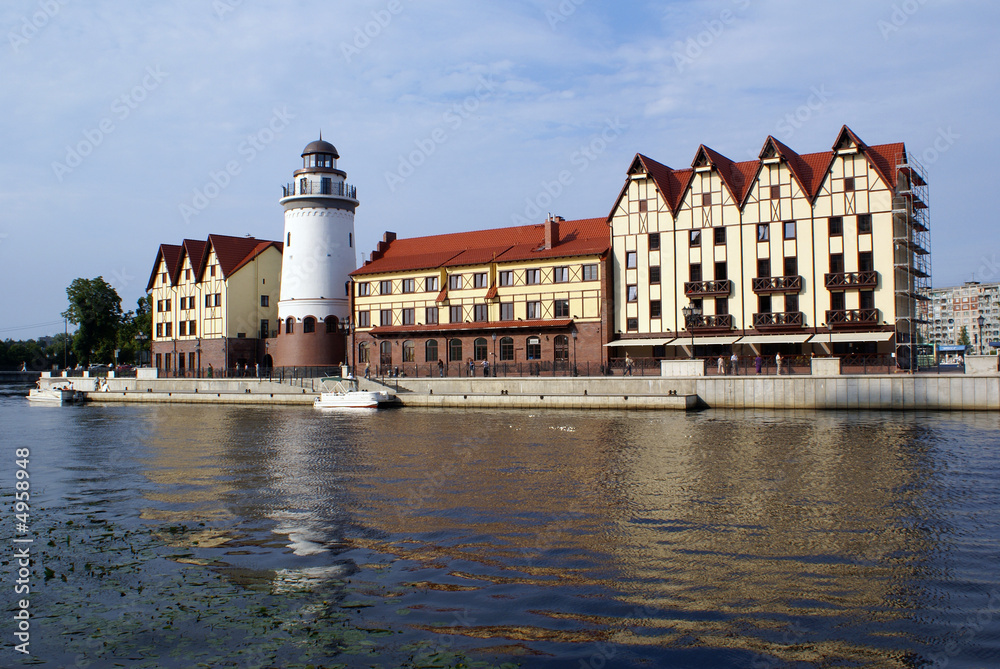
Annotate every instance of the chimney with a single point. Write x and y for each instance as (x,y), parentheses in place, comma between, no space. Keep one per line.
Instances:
(552,231)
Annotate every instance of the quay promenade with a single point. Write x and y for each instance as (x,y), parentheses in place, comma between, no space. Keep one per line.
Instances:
(682,385)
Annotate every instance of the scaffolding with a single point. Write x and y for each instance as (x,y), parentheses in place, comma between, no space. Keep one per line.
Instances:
(911,256)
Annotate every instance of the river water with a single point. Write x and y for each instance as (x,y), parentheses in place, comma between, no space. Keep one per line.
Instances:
(167,535)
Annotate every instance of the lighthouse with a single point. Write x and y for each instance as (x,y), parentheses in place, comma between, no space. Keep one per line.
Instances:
(318,256)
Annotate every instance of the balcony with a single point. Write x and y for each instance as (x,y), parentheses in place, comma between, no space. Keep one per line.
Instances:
(847,318)
(840,280)
(338,189)
(719,322)
(708,288)
(777,284)
(778,320)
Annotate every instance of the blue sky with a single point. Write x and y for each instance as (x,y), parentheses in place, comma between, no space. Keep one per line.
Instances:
(127,125)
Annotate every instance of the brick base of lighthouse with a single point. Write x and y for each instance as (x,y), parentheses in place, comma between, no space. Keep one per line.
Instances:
(309,349)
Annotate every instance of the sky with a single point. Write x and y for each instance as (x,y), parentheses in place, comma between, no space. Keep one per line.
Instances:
(127,125)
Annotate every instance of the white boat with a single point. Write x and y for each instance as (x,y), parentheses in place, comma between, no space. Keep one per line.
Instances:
(62,395)
(343,393)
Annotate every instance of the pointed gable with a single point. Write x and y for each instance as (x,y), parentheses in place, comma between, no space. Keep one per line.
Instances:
(884,158)
(235,252)
(809,171)
(737,177)
(170,255)
(669,182)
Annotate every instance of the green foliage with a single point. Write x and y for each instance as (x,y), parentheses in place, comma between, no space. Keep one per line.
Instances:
(132,323)
(96,308)
(963,337)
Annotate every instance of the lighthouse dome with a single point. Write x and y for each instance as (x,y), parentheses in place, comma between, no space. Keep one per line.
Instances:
(320,146)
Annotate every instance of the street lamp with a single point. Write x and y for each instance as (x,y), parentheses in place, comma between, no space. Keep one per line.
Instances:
(574,333)
(690,314)
(495,354)
(141,338)
(981,321)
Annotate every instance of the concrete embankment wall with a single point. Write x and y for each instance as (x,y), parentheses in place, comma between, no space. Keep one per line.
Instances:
(224,391)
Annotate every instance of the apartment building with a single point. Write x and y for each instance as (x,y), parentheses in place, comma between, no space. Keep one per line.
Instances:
(530,297)
(953,308)
(824,253)
(214,303)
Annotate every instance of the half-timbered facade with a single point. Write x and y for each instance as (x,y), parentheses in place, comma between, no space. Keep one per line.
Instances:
(815,253)
(527,298)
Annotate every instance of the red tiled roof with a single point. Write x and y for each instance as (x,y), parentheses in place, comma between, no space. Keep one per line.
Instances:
(475,325)
(588,236)
(232,252)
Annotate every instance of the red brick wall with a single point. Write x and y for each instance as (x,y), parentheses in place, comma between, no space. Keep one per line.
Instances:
(313,349)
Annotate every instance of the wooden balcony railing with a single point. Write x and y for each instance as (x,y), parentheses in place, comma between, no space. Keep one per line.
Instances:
(845,318)
(866,279)
(778,320)
(707,288)
(777,284)
(706,323)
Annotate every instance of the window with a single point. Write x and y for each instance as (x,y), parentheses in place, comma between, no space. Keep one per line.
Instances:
(385,317)
(159,329)
(180,361)
(159,304)
(775,192)
(479,279)
(866,262)
(409,285)
(695,238)
(654,241)
(455,313)
(479,349)
(836,263)
(561,308)
(763,267)
(325,185)
(532,276)
(694,272)
(187,275)
(506,311)
(837,301)
(506,278)
(789,227)
(654,274)
(560,348)
(163,278)
(706,199)
(763,232)
(791,302)
(169,327)
(431,350)
(533,348)
(409,351)
(431,284)
(385,353)
(218,300)
(654,309)
(719,235)
(331,324)
(364,319)
(455,282)
(534,310)
(408,317)
(481,313)
(385,287)
(590,272)
(864,224)
(211,270)
(455,350)
(791,266)
(506,349)
(168,304)
(721,306)
(288,241)
(764,304)
(560,274)
(721,271)
(643,206)
(632,324)
(632,292)
(192,328)
(836,226)
(849,185)
(866,299)
(431,315)
(308,325)
(265,300)
(631,259)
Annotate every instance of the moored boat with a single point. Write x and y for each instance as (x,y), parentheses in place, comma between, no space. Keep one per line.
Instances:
(343,393)
(61,395)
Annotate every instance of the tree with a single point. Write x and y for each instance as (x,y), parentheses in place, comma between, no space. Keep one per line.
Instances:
(963,337)
(96,308)
(131,325)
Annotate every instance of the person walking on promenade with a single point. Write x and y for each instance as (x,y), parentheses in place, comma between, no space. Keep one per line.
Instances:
(722,366)
(628,365)
(440,368)
(777,362)
(368,370)
(486,368)
(472,367)
(758,362)
(734,362)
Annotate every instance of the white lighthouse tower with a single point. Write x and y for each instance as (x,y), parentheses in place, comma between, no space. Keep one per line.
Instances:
(318,257)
